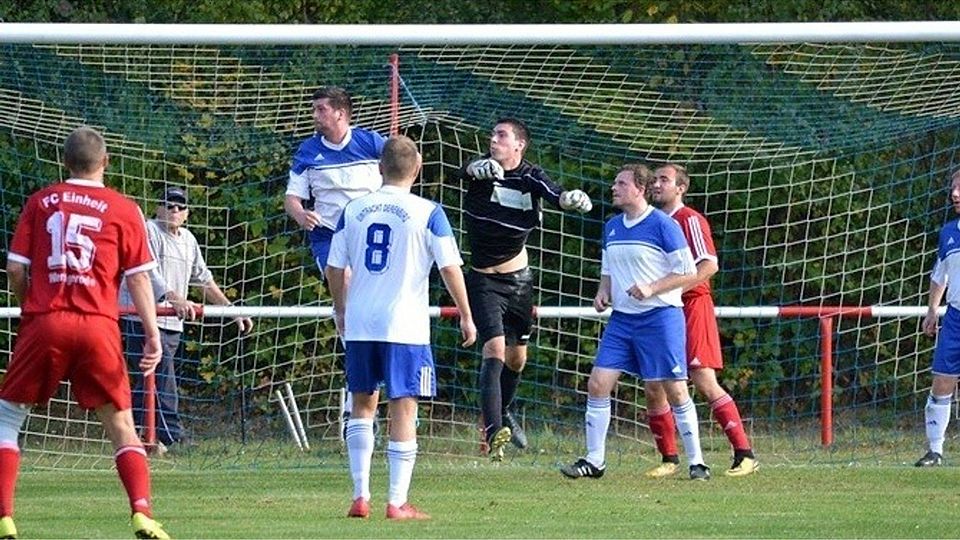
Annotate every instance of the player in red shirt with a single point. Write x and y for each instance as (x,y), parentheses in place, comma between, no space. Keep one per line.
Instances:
(74,242)
(704,358)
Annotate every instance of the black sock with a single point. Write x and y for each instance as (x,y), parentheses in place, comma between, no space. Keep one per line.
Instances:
(490,400)
(509,381)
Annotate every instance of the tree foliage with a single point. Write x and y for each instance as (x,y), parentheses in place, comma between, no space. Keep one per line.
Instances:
(459,12)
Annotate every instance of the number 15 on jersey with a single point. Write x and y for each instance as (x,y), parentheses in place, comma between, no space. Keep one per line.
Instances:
(70,246)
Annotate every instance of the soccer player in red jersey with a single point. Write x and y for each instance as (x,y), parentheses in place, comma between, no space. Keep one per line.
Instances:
(74,242)
(704,358)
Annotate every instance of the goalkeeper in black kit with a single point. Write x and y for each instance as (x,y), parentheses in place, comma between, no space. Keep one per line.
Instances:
(502,207)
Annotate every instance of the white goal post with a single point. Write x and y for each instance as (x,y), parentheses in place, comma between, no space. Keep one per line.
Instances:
(479,34)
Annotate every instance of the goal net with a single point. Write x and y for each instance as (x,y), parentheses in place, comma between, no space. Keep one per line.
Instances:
(821,167)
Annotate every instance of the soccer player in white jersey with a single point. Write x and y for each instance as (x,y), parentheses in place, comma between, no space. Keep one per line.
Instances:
(391,238)
(644,267)
(946,356)
(334,166)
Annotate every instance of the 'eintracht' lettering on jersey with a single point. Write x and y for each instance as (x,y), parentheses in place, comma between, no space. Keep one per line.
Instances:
(644,251)
(388,208)
(334,174)
(390,239)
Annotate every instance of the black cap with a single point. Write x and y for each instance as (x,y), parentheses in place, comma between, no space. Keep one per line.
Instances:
(175,195)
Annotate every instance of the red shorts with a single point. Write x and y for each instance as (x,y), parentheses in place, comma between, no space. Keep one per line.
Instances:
(83,349)
(703,336)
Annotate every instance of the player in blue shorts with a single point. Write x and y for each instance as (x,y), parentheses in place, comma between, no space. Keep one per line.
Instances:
(946,356)
(391,238)
(645,265)
(336,165)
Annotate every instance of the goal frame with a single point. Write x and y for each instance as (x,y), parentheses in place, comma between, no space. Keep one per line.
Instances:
(478,34)
(521,34)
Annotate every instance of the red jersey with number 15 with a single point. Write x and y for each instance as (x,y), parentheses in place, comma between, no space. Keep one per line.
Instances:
(697,232)
(79,238)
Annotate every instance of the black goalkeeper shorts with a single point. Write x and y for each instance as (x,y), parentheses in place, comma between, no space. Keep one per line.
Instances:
(502,305)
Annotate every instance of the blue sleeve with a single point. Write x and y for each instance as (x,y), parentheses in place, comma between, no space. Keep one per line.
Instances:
(370,142)
(298,164)
(378,142)
(672,234)
(438,223)
(942,247)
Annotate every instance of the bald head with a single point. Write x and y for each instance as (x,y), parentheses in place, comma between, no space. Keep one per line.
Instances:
(400,161)
(85,152)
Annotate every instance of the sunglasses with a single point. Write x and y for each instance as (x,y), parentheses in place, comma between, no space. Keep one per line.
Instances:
(176,207)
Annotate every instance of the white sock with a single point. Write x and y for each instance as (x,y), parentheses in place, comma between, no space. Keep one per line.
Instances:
(685,415)
(360,450)
(401,456)
(597,420)
(937,417)
(348,403)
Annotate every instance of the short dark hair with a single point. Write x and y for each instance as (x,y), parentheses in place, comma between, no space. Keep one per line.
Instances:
(399,160)
(519,128)
(679,173)
(642,175)
(339,98)
(83,150)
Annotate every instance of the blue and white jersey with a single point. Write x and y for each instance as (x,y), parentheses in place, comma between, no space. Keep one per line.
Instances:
(334,174)
(946,271)
(390,239)
(644,250)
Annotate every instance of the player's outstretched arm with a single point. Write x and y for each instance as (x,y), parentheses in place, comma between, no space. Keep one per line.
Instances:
(17,277)
(141,292)
(453,280)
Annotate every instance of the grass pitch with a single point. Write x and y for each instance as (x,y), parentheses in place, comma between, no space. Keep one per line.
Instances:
(476,499)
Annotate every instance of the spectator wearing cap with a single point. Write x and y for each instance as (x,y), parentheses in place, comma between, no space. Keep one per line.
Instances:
(180,265)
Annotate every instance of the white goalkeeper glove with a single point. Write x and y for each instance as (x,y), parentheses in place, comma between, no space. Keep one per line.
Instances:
(485,169)
(576,199)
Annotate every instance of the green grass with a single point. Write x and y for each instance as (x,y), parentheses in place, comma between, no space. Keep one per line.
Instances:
(476,499)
